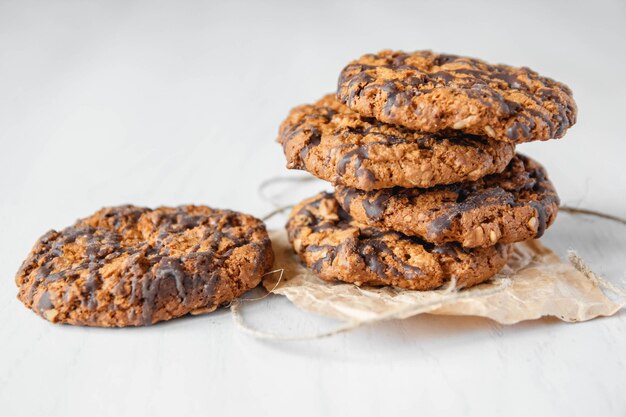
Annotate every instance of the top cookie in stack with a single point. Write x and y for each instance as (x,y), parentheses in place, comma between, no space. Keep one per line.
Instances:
(432,92)
(422,145)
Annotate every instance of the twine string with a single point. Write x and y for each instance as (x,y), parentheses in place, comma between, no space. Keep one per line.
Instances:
(584,269)
(276,211)
(589,212)
(450,295)
(265,184)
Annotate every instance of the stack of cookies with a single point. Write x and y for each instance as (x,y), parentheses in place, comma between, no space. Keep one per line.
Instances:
(421,150)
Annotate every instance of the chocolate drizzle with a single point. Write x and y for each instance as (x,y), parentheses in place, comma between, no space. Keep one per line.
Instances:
(328,257)
(473,201)
(374,205)
(44,302)
(380,258)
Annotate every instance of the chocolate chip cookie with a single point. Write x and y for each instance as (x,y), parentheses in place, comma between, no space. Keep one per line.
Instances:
(338,145)
(333,245)
(431,92)
(133,266)
(515,205)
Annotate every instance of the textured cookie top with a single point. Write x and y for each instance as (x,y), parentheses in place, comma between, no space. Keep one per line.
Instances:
(130,265)
(329,242)
(339,145)
(515,205)
(432,92)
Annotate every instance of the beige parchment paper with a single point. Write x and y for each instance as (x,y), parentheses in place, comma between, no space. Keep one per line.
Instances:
(535,283)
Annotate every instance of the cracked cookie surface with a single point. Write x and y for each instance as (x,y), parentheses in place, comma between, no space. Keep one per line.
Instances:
(133,266)
(515,205)
(335,247)
(433,92)
(337,144)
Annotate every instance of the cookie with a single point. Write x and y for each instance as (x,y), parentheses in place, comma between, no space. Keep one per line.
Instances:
(335,247)
(432,92)
(515,205)
(133,266)
(337,144)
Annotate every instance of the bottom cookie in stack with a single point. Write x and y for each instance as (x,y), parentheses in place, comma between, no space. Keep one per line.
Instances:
(330,242)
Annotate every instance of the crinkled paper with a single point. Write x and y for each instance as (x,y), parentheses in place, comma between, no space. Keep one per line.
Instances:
(535,283)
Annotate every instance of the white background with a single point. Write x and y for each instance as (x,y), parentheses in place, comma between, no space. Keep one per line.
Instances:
(164,103)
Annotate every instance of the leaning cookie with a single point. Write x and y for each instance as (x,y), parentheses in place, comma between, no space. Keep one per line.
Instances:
(432,92)
(133,266)
(515,205)
(337,144)
(335,247)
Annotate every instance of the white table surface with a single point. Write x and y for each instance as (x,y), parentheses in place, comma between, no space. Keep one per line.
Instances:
(171,102)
